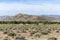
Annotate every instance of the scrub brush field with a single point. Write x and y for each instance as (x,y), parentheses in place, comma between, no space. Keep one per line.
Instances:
(30,31)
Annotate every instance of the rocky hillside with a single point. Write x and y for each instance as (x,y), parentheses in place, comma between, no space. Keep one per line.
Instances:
(25,17)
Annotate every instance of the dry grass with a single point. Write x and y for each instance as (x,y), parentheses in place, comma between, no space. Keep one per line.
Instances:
(29,31)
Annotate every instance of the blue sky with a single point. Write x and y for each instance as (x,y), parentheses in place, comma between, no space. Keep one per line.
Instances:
(33,7)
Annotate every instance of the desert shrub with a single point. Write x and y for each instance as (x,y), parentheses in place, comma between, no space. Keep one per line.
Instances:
(1,29)
(23,31)
(11,34)
(52,38)
(45,32)
(5,32)
(6,38)
(20,38)
(38,35)
(57,31)
(32,33)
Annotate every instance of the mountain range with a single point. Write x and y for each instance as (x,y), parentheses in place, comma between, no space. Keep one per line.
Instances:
(26,17)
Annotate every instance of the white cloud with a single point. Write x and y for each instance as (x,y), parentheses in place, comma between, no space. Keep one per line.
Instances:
(14,8)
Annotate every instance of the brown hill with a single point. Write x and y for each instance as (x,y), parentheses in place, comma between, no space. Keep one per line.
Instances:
(25,17)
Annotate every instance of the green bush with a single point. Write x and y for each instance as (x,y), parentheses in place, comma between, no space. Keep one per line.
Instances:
(11,34)
(45,32)
(52,38)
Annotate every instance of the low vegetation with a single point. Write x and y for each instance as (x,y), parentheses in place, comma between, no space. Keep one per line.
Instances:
(28,22)
(52,38)
(19,30)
